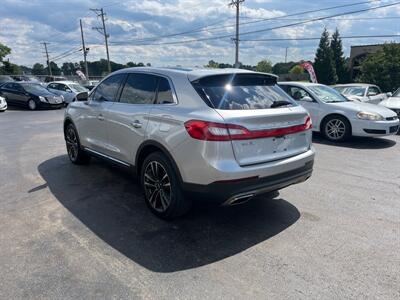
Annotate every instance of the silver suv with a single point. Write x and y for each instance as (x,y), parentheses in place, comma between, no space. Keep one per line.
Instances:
(226,135)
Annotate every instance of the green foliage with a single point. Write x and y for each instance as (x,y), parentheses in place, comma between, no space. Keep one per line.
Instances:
(383,68)
(38,69)
(10,68)
(283,68)
(4,51)
(297,69)
(264,66)
(338,58)
(324,64)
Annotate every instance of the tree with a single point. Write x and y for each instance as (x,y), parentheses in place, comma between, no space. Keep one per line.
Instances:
(38,69)
(324,65)
(4,51)
(264,66)
(283,68)
(383,68)
(338,58)
(10,68)
(297,69)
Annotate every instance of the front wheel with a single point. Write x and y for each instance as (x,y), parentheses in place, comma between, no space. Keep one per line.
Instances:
(336,129)
(75,153)
(162,191)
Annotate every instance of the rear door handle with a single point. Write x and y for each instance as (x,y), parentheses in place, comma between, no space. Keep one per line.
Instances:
(100,117)
(136,124)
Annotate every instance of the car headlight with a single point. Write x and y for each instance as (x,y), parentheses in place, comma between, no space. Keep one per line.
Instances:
(369,116)
(43,99)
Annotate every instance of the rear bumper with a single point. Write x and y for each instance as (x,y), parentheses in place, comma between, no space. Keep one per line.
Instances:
(227,192)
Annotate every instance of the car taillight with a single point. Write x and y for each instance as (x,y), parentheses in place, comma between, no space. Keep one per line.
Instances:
(211,131)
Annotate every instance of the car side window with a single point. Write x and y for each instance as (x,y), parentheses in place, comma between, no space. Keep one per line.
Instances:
(52,86)
(164,92)
(139,89)
(17,87)
(8,86)
(299,94)
(108,89)
(373,91)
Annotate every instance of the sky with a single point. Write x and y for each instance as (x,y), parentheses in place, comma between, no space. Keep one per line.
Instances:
(184,32)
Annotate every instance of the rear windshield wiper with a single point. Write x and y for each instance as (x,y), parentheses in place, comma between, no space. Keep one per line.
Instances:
(280,103)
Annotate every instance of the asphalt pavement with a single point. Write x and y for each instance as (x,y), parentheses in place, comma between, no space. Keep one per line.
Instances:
(74,232)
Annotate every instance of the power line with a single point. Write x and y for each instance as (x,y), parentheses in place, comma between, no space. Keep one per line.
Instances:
(266,29)
(208,28)
(318,38)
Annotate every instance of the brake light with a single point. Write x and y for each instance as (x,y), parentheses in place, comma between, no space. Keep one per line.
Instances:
(211,131)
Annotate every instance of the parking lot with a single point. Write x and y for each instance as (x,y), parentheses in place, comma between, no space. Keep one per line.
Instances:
(85,232)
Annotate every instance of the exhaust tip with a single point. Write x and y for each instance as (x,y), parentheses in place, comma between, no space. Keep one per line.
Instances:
(239,200)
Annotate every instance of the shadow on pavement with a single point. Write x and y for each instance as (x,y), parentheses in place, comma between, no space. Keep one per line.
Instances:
(357,142)
(109,202)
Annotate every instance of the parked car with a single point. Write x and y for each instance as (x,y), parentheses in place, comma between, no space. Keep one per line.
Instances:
(361,92)
(3,104)
(54,78)
(393,102)
(336,117)
(228,135)
(90,84)
(68,89)
(29,78)
(31,95)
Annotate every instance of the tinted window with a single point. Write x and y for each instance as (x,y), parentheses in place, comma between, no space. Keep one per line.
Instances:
(241,92)
(139,89)
(52,86)
(8,86)
(16,87)
(297,93)
(164,94)
(108,89)
(373,91)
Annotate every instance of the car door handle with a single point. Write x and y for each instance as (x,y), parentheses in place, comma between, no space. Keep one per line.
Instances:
(100,117)
(136,124)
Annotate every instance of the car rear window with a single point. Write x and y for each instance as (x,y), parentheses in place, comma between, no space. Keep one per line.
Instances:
(242,92)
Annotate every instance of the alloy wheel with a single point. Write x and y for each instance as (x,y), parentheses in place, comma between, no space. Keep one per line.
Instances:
(72,144)
(157,186)
(335,129)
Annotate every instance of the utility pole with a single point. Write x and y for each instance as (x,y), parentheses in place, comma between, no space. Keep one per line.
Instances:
(286,55)
(85,51)
(237,3)
(47,57)
(103,31)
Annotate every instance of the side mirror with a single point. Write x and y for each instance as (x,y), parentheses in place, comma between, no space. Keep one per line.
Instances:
(82,96)
(389,94)
(68,90)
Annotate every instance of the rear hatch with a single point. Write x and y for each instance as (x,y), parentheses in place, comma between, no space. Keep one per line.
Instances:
(265,124)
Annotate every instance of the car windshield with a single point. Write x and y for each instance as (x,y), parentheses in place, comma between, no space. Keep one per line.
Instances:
(354,91)
(35,88)
(77,88)
(396,93)
(327,94)
(242,92)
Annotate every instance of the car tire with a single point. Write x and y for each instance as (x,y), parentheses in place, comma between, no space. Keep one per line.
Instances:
(336,129)
(75,153)
(162,191)
(32,104)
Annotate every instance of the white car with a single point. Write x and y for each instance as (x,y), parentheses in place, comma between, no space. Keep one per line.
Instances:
(3,104)
(71,91)
(393,102)
(336,117)
(361,92)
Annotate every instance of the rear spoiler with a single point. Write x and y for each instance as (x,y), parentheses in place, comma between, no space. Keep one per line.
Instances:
(237,79)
